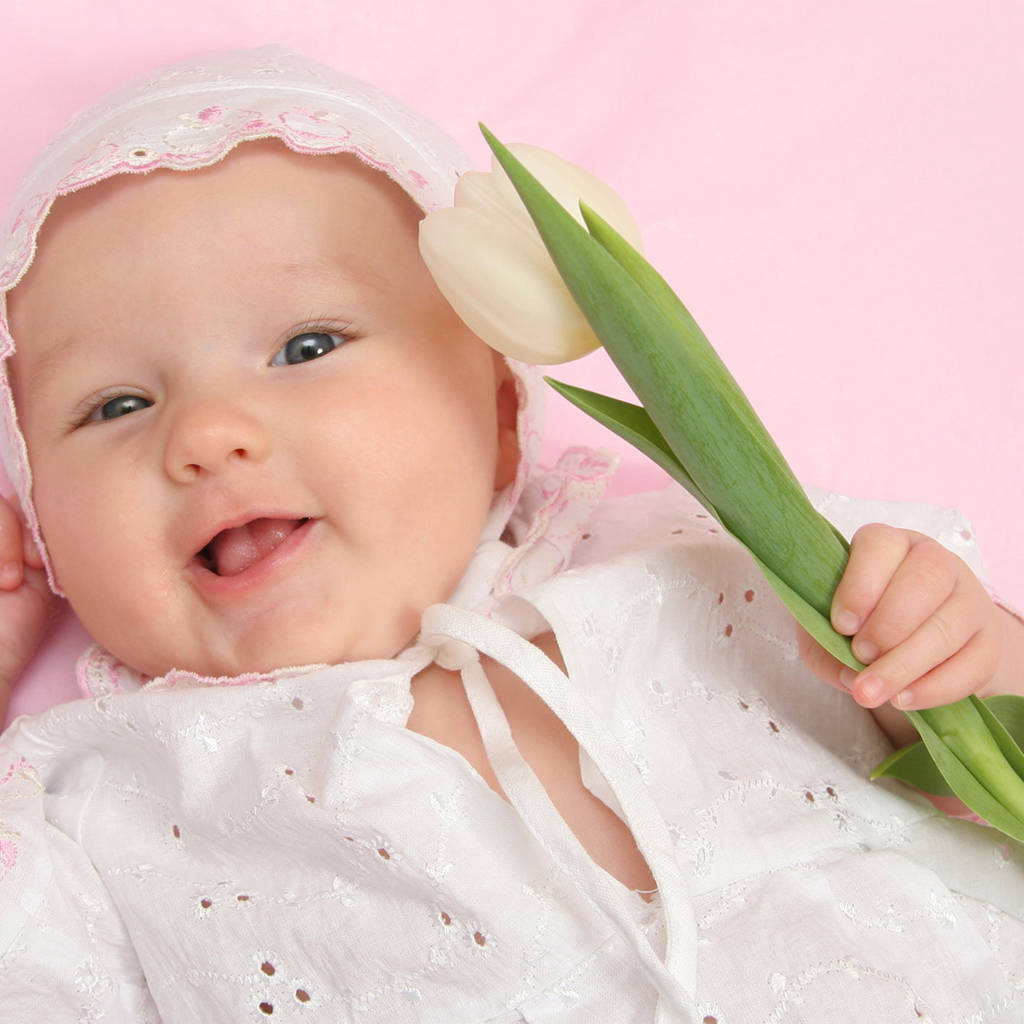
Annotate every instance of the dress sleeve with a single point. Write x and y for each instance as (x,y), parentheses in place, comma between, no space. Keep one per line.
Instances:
(946,525)
(65,954)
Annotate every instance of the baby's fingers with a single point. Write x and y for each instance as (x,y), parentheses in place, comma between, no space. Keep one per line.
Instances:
(923,580)
(946,658)
(876,552)
(927,578)
(965,673)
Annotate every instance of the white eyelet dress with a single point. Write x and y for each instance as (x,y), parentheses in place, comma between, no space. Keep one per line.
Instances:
(283,847)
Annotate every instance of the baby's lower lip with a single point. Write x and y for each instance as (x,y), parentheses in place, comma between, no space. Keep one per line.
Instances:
(255,574)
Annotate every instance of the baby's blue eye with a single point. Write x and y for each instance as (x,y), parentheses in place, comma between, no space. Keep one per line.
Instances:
(120,406)
(304,347)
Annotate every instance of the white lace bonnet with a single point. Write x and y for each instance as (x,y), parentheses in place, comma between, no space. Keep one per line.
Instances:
(191,115)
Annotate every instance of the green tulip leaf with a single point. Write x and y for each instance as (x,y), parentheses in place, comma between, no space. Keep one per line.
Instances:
(696,424)
(1003,737)
(914,765)
(1004,718)
(819,627)
(688,394)
(965,728)
(633,425)
(1009,709)
(961,779)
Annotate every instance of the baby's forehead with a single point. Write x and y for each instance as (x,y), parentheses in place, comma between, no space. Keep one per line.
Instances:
(280,208)
(262,221)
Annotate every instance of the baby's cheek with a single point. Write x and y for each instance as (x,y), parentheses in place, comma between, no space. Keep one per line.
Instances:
(97,557)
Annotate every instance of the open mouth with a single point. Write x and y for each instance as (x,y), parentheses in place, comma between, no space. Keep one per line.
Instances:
(234,550)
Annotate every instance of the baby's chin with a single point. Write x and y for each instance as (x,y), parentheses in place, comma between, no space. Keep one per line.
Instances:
(274,658)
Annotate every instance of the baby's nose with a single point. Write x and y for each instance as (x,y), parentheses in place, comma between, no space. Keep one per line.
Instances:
(210,435)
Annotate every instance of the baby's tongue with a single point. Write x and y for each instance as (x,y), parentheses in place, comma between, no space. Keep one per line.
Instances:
(236,549)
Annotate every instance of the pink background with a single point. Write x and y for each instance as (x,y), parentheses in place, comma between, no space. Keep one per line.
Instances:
(834,188)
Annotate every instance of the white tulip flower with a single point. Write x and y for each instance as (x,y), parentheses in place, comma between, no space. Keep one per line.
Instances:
(489,261)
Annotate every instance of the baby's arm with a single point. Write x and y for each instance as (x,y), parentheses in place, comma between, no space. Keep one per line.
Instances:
(923,624)
(26,602)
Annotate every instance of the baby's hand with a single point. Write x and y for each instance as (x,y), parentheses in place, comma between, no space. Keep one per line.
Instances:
(26,602)
(921,621)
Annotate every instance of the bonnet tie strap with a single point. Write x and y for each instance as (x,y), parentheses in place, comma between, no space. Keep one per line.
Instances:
(457,635)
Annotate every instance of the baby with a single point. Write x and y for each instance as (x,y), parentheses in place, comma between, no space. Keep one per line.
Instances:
(386,723)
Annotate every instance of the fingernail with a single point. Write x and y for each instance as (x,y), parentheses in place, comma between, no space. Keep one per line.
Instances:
(846,678)
(903,699)
(10,574)
(845,622)
(865,650)
(870,689)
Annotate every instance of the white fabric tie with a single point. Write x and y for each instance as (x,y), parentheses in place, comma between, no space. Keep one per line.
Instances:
(456,635)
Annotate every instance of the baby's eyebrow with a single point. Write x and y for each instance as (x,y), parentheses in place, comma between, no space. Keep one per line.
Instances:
(74,346)
(326,270)
(44,365)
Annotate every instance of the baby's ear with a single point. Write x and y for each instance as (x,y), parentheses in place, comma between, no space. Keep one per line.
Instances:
(507,403)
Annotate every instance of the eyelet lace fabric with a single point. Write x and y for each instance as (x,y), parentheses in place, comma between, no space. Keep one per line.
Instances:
(190,115)
(182,850)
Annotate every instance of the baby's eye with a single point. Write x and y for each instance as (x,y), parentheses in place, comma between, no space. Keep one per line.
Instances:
(121,405)
(304,347)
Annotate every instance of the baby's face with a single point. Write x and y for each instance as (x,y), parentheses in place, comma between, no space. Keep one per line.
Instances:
(259,436)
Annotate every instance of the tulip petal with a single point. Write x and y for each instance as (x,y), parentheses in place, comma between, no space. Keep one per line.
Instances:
(504,287)
(488,261)
(569,184)
(482,193)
